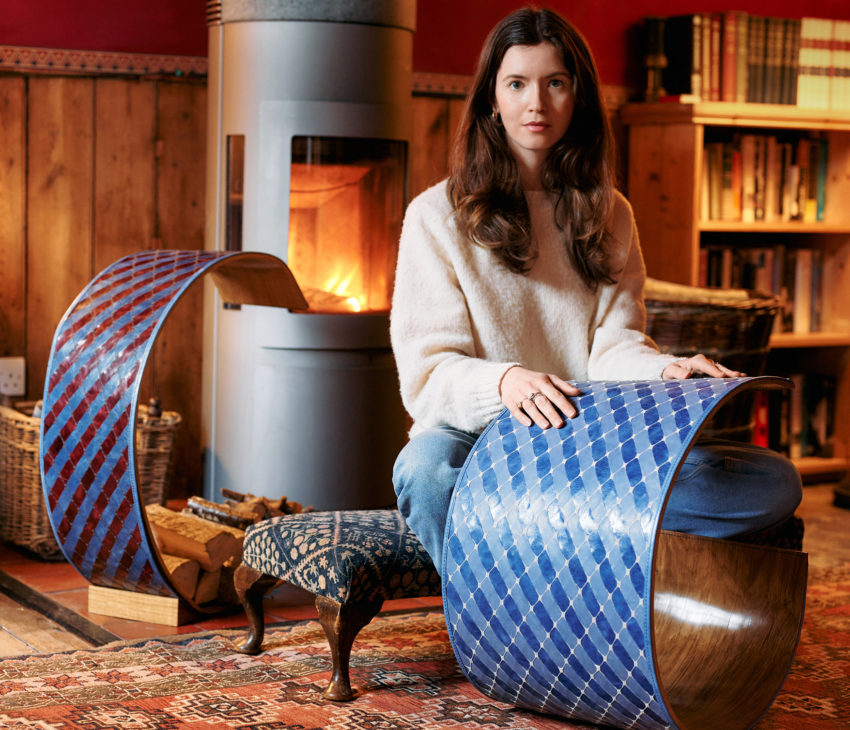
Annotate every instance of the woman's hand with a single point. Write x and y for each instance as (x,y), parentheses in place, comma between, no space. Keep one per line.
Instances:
(687,366)
(536,397)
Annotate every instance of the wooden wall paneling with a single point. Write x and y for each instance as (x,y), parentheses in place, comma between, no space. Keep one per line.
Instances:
(125,118)
(430,142)
(180,199)
(124,148)
(59,209)
(663,168)
(12,217)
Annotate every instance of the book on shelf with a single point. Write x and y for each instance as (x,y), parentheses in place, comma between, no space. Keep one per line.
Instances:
(729,56)
(839,92)
(815,63)
(774,36)
(794,276)
(790,58)
(755,57)
(715,24)
(800,422)
(683,50)
(742,57)
(741,60)
(755,177)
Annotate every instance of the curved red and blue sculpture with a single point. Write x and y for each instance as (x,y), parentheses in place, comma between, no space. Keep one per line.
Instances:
(563,595)
(91,394)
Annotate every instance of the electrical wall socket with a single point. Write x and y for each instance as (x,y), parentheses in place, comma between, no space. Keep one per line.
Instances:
(13,376)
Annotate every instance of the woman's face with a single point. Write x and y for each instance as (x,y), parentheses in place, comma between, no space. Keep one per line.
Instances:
(535,98)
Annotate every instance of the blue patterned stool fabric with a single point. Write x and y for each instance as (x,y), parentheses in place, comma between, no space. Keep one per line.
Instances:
(549,548)
(349,556)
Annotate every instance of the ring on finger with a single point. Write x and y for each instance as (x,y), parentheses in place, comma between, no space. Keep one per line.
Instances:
(533,396)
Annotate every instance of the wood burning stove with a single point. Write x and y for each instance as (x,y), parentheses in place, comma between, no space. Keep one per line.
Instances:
(308,130)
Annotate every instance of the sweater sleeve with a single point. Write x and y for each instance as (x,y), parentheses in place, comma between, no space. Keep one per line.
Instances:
(620,349)
(442,381)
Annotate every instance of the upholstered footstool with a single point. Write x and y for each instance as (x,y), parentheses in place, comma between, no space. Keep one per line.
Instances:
(352,561)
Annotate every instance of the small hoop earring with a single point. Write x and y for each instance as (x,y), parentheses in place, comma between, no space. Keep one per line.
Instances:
(494,115)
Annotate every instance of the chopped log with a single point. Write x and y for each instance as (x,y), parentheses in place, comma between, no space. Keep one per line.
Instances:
(221,513)
(190,536)
(208,583)
(182,572)
(274,507)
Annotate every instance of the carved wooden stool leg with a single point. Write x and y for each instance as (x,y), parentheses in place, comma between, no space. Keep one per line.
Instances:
(251,585)
(342,623)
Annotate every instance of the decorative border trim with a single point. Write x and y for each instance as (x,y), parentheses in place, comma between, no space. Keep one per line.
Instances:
(436,84)
(24,59)
(58,60)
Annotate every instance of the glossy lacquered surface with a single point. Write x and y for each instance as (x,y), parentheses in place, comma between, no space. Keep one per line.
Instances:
(727,619)
(553,561)
(91,393)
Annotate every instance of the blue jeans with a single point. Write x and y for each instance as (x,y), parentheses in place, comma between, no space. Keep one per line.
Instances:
(724,488)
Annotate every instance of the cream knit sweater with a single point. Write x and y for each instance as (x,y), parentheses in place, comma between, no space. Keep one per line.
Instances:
(460,318)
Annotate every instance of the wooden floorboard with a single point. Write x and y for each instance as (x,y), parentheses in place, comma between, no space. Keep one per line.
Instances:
(26,631)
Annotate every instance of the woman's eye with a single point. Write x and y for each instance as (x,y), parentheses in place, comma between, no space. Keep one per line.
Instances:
(556,83)
(515,85)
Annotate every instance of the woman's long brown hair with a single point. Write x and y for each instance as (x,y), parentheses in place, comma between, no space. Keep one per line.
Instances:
(484,185)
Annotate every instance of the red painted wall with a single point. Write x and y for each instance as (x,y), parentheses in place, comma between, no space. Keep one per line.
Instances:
(449,33)
(448,38)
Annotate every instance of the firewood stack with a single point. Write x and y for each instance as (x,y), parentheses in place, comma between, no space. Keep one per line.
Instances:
(201,546)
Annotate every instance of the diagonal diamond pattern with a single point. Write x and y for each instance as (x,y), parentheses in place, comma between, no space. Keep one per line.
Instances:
(547,558)
(87,446)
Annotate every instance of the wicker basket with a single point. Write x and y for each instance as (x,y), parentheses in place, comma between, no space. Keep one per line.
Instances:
(23,516)
(730,326)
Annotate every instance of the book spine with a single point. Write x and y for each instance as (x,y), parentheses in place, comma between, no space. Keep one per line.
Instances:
(714,153)
(758,44)
(790,53)
(696,55)
(705,46)
(802,301)
(822,168)
(761,419)
(716,25)
(730,183)
(840,98)
(741,60)
(728,57)
(816,307)
(773,60)
(760,178)
(773,180)
(748,178)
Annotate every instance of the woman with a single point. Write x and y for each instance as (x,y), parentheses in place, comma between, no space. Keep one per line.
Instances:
(522,271)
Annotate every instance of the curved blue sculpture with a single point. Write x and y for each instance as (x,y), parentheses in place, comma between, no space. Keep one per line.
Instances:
(91,393)
(550,548)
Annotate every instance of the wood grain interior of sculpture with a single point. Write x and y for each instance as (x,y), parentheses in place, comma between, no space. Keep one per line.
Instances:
(726,618)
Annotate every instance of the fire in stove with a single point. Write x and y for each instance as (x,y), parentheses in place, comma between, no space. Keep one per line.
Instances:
(345,200)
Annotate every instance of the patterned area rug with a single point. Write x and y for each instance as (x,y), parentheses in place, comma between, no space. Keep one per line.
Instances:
(403,663)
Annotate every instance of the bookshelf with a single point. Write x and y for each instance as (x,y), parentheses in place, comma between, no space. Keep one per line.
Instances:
(666,145)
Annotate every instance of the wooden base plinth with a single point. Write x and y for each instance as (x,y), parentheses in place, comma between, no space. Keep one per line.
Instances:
(138,606)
